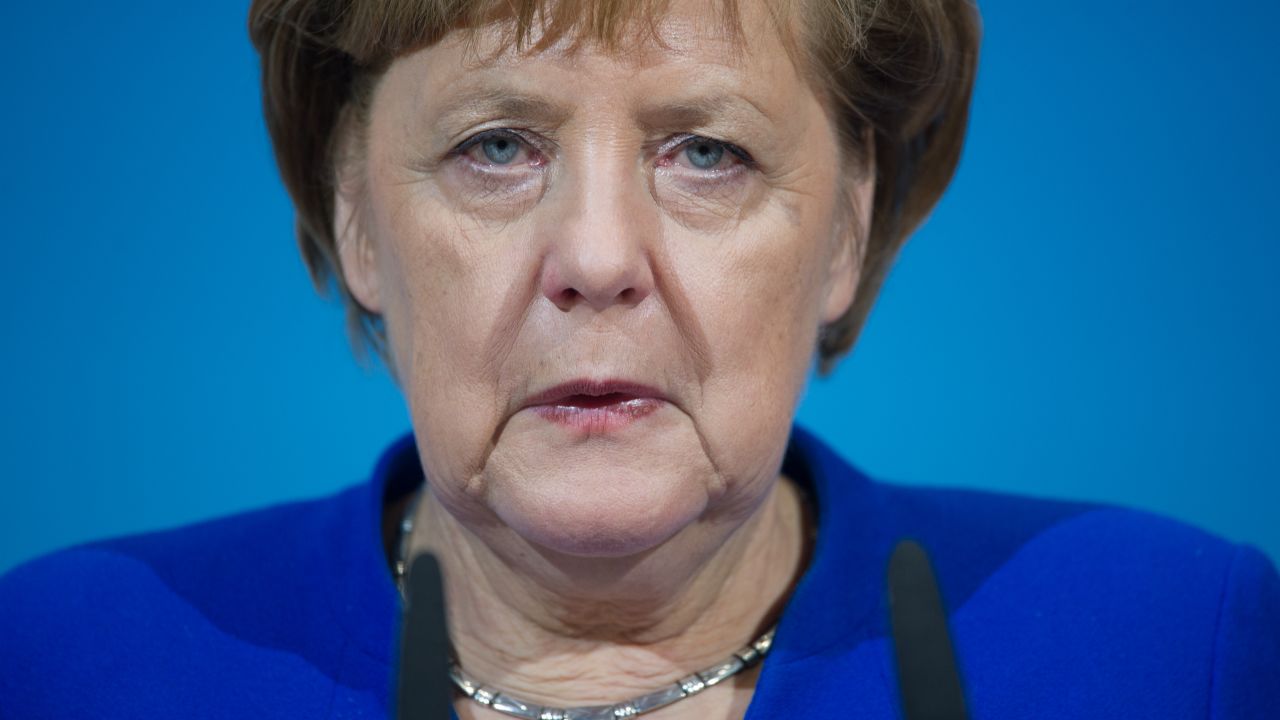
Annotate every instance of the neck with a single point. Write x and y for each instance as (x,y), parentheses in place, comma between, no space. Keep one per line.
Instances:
(569,631)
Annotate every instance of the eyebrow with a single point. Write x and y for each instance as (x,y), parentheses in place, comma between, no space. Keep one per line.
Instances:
(498,102)
(697,112)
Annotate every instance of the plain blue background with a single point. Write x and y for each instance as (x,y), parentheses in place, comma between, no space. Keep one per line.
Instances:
(1092,311)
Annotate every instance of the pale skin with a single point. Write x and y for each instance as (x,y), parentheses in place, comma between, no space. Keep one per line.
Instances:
(674,214)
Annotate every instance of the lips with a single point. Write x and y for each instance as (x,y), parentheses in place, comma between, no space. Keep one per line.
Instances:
(596,406)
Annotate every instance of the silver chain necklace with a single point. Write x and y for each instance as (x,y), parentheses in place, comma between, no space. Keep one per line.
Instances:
(506,704)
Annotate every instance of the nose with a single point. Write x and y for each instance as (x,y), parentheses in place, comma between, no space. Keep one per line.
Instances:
(599,253)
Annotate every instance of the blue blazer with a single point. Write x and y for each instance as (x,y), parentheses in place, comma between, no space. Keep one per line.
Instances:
(1056,611)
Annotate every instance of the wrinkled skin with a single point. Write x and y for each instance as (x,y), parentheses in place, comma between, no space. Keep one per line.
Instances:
(677,215)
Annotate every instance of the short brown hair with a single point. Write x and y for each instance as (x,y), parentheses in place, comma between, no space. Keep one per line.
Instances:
(900,70)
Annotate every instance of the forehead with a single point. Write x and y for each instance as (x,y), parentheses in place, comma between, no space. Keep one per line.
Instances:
(639,31)
(695,57)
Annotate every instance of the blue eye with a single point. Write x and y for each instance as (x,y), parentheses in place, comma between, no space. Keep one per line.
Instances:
(500,149)
(704,154)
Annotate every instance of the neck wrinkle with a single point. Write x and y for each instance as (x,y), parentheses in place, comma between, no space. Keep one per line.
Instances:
(726,586)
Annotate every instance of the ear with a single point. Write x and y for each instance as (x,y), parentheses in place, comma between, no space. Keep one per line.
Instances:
(851,231)
(358,264)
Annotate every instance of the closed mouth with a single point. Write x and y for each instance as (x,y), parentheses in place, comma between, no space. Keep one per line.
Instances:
(586,393)
(594,407)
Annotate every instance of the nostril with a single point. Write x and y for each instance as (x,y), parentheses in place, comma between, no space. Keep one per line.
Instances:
(567,298)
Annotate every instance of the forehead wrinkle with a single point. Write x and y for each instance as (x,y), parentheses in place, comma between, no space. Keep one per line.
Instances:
(485,101)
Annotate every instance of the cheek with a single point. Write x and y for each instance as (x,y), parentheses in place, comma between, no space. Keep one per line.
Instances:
(757,294)
(452,315)
(760,307)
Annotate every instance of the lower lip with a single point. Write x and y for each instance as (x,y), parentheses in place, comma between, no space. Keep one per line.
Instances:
(599,419)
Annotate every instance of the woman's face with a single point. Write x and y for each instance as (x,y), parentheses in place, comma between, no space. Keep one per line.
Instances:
(601,274)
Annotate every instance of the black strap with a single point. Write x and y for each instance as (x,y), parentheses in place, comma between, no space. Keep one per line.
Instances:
(928,679)
(424,691)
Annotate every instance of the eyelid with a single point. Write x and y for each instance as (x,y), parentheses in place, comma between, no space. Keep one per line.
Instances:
(679,142)
(479,137)
(529,140)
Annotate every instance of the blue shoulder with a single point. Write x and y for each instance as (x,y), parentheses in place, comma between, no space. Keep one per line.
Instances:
(974,535)
(1145,611)
(149,615)
(1246,680)
(969,534)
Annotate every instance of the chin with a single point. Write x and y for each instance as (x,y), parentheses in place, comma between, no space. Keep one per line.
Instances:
(613,496)
(600,512)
